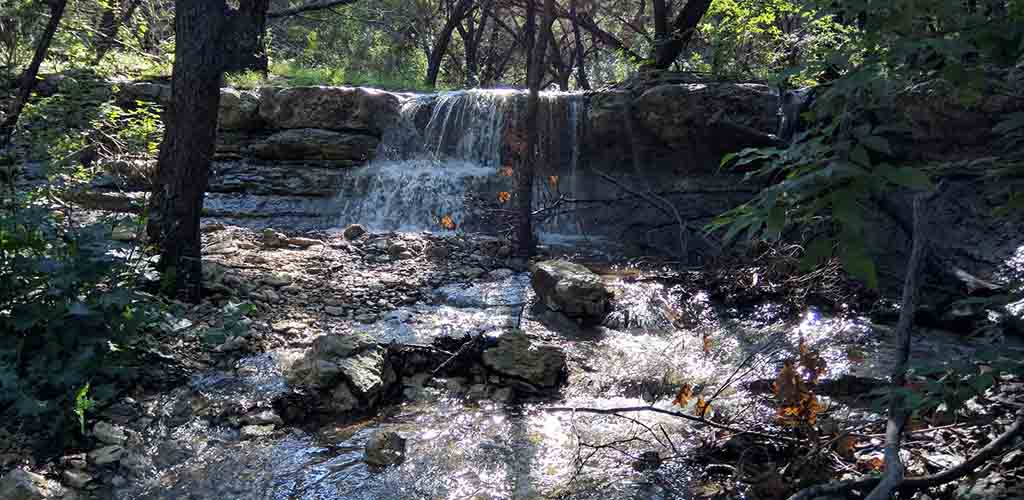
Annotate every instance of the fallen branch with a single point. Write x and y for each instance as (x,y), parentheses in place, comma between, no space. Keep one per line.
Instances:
(916,483)
(651,409)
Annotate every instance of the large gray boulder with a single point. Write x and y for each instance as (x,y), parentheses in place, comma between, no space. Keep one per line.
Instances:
(572,290)
(20,484)
(305,144)
(352,370)
(331,108)
(516,355)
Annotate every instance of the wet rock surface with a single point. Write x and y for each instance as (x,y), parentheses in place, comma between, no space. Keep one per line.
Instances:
(572,290)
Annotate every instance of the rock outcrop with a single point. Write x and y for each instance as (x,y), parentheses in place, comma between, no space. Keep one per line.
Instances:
(20,484)
(572,290)
(353,372)
(516,355)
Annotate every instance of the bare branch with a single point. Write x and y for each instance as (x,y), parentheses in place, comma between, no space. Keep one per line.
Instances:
(309,7)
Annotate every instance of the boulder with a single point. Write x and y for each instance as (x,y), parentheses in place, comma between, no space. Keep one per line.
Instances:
(385,448)
(330,108)
(20,484)
(516,355)
(353,232)
(158,93)
(239,110)
(309,144)
(571,289)
(352,367)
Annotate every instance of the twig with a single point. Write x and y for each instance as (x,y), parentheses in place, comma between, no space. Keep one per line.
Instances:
(699,420)
(898,413)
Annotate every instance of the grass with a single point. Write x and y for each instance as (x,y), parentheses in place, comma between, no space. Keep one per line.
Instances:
(287,73)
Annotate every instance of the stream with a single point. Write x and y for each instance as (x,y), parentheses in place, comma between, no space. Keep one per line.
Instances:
(465,444)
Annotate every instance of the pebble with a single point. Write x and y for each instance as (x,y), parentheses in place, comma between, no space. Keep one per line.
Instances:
(108,433)
(76,478)
(222,248)
(304,242)
(276,280)
(335,311)
(107,455)
(256,431)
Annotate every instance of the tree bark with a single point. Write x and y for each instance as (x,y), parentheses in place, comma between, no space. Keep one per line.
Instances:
(210,38)
(525,173)
(668,48)
(111,22)
(28,78)
(581,69)
(444,38)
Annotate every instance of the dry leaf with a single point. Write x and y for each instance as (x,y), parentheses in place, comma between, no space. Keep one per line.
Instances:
(448,223)
(504,196)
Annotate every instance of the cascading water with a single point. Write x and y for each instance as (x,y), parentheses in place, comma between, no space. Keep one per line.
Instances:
(453,146)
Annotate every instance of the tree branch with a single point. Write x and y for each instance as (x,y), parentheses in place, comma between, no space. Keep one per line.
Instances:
(309,7)
(651,409)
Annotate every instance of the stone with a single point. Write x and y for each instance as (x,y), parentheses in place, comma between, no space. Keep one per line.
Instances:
(335,311)
(239,110)
(329,108)
(385,449)
(274,239)
(158,93)
(515,355)
(353,232)
(76,478)
(20,484)
(342,400)
(107,455)
(221,248)
(369,373)
(436,251)
(304,242)
(571,289)
(500,274)
(308,144)
(108,433)
(276,280)
(503,395)
(256,431)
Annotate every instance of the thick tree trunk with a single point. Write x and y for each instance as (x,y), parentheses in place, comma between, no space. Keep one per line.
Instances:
(188,146)
(668,47)
(581,69)
(525,173)
(28,78)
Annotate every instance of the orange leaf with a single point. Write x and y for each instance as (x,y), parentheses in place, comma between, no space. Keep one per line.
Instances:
(683,398)
(504,196)
(448,223)
(506,171)
(702,407)
(554,181)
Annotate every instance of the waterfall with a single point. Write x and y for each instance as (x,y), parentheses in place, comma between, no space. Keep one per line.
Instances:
(453,146)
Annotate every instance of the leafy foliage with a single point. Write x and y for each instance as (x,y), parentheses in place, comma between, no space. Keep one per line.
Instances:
(66,310)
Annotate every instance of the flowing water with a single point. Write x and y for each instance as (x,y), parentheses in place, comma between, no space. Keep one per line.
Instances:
(451,149)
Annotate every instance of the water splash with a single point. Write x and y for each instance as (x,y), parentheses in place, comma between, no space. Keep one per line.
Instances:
(455,146)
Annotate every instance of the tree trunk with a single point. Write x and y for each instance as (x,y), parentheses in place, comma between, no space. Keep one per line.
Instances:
(524,174)
(110,24)
(668,48)
(28,78)
(189,140)
(581,69)
(444,38)
(209,38)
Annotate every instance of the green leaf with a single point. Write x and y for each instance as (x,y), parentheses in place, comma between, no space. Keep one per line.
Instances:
(909,177)
(860,155)
(816,253)
(776,221)
(877,143)
(858,264)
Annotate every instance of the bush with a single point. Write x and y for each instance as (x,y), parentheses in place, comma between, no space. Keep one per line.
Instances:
(68,312)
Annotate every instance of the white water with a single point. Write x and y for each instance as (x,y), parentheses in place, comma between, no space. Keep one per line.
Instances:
(456,145)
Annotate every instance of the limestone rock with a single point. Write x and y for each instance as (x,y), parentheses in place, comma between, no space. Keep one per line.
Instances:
(385,448)
(354,361)
(274,239)
(107,455)
(239,110)
(76,479)
(304,242)
(353,232)
(330,108)
(515,355)
(256,431)
(108,433)
(159,93)
(571,289)
(20,484)
(337,148)
(679,114)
